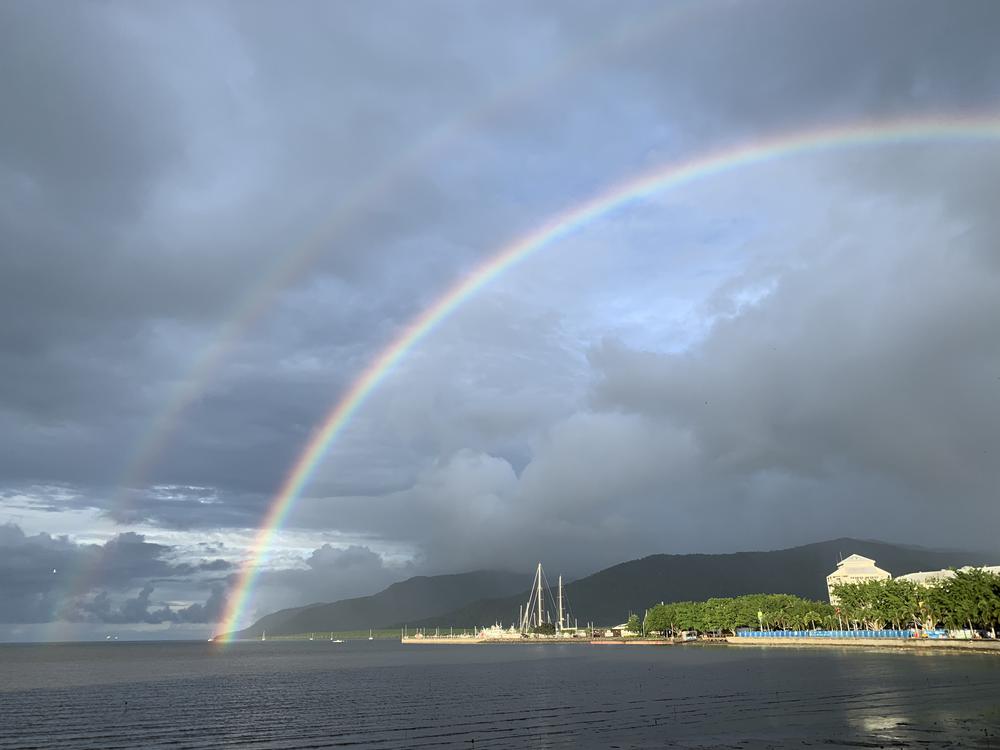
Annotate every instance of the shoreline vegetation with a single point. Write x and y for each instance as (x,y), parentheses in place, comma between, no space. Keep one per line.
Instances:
(968,601)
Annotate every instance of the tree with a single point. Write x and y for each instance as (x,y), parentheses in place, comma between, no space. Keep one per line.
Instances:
(968,599)
(633,625)
(727,615)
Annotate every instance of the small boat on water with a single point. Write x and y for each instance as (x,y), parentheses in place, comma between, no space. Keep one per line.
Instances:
(371,634)
(338,640)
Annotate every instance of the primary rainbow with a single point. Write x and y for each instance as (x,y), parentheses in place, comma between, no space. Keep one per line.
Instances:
(906,130)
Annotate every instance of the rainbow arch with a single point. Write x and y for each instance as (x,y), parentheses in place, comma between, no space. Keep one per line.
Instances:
(673,175)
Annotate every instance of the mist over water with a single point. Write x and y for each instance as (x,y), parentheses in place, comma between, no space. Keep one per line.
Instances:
(384,694)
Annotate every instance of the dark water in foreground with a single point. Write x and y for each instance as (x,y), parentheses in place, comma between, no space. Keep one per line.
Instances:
(382,694)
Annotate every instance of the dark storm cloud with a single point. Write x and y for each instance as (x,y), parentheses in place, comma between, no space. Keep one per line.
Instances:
(806,379)
(123,258)
(141,181)
(781,65)
(43,578)
(101,609)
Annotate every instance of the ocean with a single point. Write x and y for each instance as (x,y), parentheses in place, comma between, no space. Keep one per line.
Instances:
(318,694)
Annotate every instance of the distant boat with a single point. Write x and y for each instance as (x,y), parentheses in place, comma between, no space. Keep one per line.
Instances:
(263,635)
(371,635)
(310,636)
(337,641)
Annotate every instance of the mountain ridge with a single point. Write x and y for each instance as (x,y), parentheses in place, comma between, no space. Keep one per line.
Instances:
(608,595)
(413,598)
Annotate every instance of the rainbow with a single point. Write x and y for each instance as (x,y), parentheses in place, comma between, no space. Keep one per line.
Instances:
(670,176)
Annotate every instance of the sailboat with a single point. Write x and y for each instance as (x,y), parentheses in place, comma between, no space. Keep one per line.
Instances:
(371,634)
(263,635)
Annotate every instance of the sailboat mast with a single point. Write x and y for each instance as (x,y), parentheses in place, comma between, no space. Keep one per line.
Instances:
(540,594)
(560,604)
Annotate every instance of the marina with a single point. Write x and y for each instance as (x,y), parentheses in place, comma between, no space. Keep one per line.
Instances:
(535,624)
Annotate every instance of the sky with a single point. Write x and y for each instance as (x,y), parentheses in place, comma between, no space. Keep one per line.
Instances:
(214,216)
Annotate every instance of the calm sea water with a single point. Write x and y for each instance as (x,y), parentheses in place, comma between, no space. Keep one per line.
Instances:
(383,694)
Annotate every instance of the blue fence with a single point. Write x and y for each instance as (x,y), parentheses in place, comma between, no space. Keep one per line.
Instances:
(829,634)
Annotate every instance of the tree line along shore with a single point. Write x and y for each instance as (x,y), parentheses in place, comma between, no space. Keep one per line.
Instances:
(968,601)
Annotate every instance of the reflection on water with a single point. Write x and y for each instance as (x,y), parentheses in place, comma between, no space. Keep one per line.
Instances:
(387,695)
(876,723)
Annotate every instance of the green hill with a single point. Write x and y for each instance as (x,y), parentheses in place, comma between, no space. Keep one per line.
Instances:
(413,599)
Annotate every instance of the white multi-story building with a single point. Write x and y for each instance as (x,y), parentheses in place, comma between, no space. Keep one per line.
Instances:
(928,577)
(854,569)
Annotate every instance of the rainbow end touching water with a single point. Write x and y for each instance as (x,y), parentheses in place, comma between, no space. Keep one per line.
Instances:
(865,133)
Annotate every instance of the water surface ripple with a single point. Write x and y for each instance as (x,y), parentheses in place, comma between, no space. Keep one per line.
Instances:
(382,694)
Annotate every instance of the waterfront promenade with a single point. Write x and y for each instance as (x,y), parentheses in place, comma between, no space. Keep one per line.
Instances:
(467,640)
(913,644)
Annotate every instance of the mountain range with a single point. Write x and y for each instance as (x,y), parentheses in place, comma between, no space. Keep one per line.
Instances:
(607,596)
(415,598)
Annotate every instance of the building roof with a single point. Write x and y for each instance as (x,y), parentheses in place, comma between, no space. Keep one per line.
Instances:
(857,567)
(926,576)
(855,560)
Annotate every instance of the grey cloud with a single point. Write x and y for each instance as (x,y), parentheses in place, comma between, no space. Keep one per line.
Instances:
(786,64)
(857,395)
(87,123)
(101,310)
(101,609)
(329,573)
(44,578)
(351,556)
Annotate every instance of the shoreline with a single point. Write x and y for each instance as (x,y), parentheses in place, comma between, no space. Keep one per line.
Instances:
(912,644)
(448,641)
(896,644)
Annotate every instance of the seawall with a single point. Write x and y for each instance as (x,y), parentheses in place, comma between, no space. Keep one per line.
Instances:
(455,641)
(913,644)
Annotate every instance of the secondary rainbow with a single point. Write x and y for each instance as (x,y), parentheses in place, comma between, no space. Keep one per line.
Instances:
(673,175)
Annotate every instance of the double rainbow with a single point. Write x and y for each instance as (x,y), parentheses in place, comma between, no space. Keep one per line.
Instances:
(867,133)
